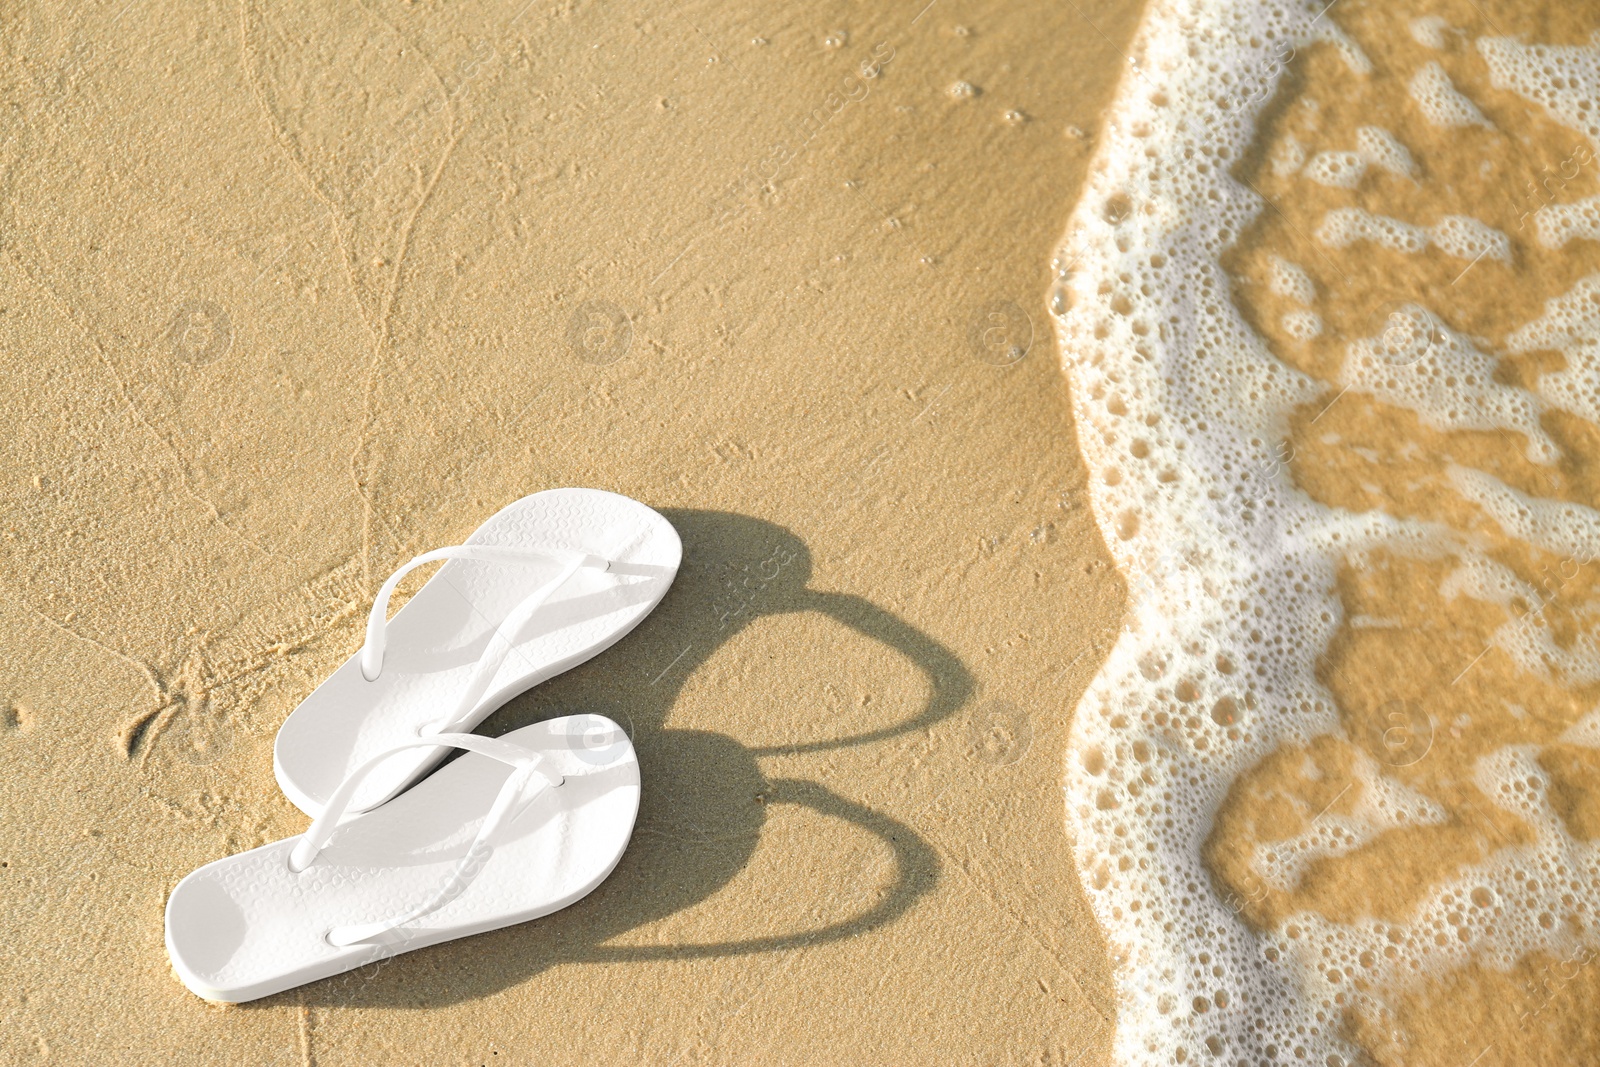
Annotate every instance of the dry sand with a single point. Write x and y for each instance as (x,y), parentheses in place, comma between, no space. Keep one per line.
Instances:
(289,295)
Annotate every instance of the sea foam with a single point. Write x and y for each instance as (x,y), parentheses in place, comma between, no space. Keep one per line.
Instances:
(1182,412)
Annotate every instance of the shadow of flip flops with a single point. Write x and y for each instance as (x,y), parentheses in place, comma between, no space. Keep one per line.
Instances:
(706,800)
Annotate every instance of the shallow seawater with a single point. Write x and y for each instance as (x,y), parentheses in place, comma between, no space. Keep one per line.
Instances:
(1330,307)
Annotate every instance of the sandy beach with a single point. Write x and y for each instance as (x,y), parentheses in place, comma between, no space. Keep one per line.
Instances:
(1135,465)
(289,294)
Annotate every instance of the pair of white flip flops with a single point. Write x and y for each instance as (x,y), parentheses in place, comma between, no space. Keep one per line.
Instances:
(520,826)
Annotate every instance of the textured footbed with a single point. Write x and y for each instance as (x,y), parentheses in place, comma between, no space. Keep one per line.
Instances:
(436,639)
(247,926)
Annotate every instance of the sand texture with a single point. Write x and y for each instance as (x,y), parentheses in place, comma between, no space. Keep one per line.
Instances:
(292,292)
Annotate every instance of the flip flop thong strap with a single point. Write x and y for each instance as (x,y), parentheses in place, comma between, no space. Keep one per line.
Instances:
(526,769)
(377,619)
(494,653)
(504,640)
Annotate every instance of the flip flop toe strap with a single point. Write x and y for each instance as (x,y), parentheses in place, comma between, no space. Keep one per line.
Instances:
(377,618)
(504,638)
(527,769)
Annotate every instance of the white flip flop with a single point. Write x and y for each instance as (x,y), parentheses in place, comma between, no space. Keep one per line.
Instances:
(545,584)
(519,827)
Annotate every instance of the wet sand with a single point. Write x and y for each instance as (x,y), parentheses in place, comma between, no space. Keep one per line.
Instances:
(1428,695)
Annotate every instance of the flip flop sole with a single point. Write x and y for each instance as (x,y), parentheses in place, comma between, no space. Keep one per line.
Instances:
(436,640)
(248,926)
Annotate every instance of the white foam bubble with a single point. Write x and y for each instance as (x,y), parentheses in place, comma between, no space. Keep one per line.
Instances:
(1429,31)
(1381,804)
(1346,225)
(1290,280)
(1465,237)
(1570,325)
(1416,362)
(1557,526)
(1585,732)
(1383,149)
(1230,567)
(1339,170)
(1560,223)
(1441,102)
(1564,78)
(1302,325)
(1330,32)
(1289,157)
(1456,235)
